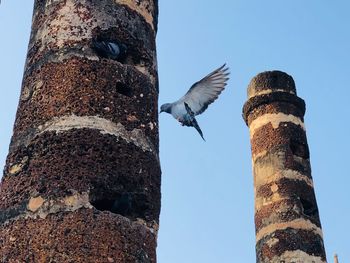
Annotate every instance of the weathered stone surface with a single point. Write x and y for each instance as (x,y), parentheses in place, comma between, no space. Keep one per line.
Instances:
(287,223)
(275,245)
(65,28)
(82,177)
(288,134)
(271,82)
(85,160)
(286,210)
(273,102)
(86,235)
(77,86)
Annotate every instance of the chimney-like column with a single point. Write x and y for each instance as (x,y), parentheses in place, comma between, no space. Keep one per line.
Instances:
(82,177)
(287,222)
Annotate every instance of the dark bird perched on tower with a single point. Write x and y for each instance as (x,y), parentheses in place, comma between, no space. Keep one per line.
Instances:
(109,49)
(198,98)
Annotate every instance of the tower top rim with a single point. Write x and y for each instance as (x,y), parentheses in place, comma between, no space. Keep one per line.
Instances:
(270,82)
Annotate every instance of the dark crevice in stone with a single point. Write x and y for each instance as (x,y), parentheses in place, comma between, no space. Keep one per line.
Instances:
(12,212)
(299,148)
(123,89)
(131,205)
(119,205)
(142,257)
(309,209)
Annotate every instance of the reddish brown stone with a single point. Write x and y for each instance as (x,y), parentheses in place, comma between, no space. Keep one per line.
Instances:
(290,240)
(85,160)
(281,148)
(135,32)
(86,235)
(274,107)
(85,88)
(266,138)
(284,102)
(117,175)
(294,190)
(284,211)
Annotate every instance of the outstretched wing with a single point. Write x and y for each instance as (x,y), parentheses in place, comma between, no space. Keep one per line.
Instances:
(206,91)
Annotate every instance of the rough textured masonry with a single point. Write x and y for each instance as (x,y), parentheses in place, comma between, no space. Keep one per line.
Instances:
(82,177)
(287,222)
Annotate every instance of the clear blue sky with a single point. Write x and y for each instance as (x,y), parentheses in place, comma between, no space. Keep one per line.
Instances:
(207,187)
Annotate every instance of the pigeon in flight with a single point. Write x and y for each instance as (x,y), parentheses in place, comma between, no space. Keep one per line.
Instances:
(109,49)
(198,98)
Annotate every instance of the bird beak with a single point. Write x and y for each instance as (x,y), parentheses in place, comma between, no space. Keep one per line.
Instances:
(161,111)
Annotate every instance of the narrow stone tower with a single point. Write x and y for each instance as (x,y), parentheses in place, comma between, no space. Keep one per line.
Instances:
(287,222)
(82,177)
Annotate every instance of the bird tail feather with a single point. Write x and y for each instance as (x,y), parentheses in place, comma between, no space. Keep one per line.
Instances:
(193,120)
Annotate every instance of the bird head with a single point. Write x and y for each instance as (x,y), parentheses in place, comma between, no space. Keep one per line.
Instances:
(165,108)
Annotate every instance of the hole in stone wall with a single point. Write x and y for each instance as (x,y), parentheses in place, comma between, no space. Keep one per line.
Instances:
(118,205)
(115,44)
(309,209)
(129,204)
(103,204)
(109,48)
(299,149)
(123,89)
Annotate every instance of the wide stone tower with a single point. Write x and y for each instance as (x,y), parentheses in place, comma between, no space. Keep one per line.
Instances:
(287,222)
(82,177)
